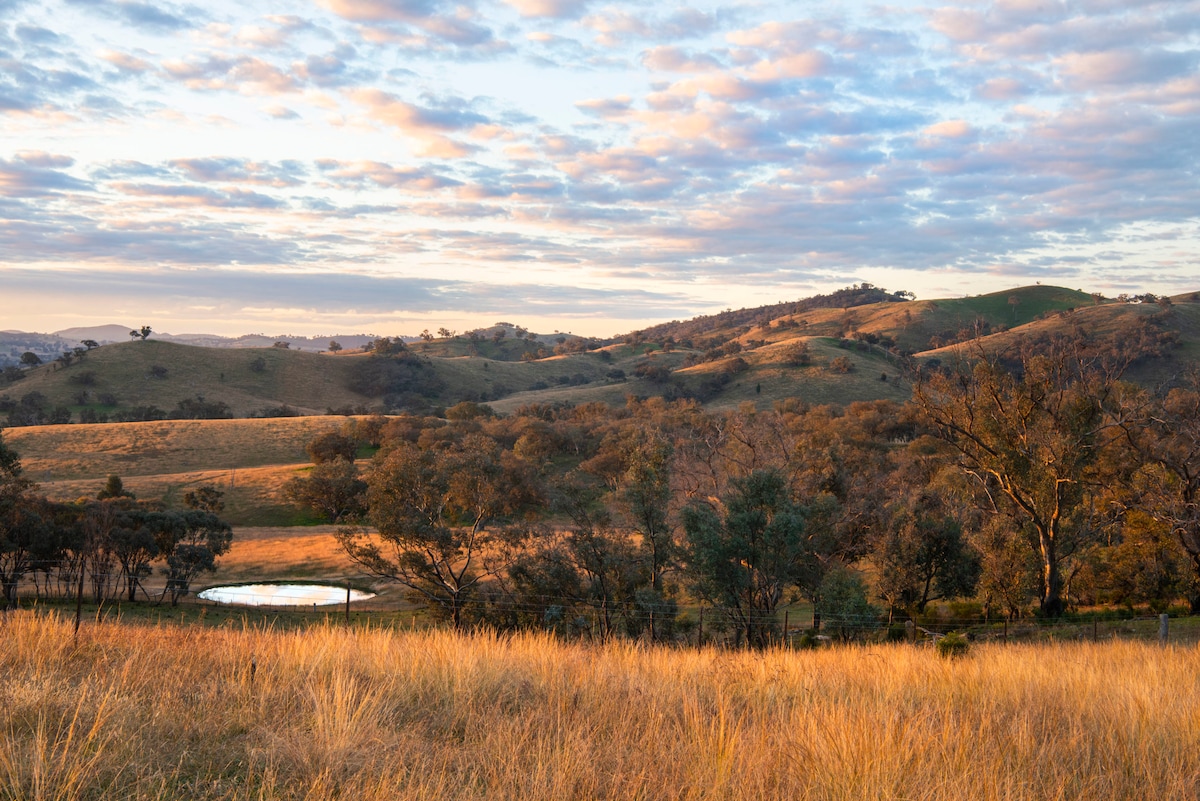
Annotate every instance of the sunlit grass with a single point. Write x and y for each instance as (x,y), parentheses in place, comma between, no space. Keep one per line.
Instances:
(170,712)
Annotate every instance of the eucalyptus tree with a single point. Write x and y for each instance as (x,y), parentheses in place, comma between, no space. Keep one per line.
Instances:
(1031,434)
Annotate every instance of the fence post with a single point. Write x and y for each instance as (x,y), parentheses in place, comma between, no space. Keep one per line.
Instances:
(785,628)
(1162,629)
(700,634)
(347,603)
(79,599)
(1006,629)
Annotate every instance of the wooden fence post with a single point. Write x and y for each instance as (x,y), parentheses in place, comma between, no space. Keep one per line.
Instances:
(1162,629)
(700,635)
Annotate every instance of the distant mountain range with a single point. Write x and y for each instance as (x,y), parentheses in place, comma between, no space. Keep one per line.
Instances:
(50,346)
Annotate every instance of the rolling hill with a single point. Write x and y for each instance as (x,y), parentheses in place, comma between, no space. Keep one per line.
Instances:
(814,350)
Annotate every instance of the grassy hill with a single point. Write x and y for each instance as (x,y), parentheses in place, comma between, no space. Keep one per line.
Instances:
(248,460)
(722,361)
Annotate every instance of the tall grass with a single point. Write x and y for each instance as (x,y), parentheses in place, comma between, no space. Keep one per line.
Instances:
(170,712)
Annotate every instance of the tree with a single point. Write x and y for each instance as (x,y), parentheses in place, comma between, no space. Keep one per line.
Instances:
(590,566)
(334,346)
(924,557)
(426,336)
(1031,441)
(113,488)
(90,344)
(30,359)
(1167,442)
(431,508)
(747,551)
(25,534)
(190,542)
(332,445)
(206,498)
(842,603)
(142,332)
(135,543)
(332,490)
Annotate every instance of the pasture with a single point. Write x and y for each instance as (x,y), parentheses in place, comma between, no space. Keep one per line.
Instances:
(156,712)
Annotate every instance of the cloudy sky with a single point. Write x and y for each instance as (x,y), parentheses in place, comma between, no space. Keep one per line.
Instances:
(581,165)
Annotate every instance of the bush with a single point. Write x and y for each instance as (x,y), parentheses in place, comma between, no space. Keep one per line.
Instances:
(843,605)
(332,445)
(953,645)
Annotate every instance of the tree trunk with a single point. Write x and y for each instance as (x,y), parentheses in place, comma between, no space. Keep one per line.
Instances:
(1051,601)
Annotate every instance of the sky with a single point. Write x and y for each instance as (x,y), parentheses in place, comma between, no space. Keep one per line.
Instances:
(386,166)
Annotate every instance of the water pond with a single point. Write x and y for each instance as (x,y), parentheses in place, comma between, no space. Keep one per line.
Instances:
(282,595)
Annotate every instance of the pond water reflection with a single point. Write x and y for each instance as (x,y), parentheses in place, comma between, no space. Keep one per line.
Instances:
(282,595)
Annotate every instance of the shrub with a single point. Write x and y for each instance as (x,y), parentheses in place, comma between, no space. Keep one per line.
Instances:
(953,645)
(332,445)
(843,605)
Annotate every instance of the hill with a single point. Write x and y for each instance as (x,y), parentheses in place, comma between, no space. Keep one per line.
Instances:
(835,348)
(248,460)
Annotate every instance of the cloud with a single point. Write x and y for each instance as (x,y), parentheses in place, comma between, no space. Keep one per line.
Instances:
(238,170)
(336,293)
(669,58)
(442,23)
(126,62)
(427,124)
(187,195)
(606,108)
(225,73)
(37,174)
(1126,66)
(155,18)
(359,174)
(279,112)
(555,9)
(615,27)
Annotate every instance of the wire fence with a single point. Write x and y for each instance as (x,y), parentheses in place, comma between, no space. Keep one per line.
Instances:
(589,617)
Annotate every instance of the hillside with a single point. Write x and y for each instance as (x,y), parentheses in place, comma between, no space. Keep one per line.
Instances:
(248,460)
(813,350)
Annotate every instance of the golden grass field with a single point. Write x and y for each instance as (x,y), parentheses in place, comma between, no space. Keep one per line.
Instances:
(67,452)
(168,712)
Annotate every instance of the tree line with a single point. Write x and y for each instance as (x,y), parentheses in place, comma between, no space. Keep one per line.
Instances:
(1029,481)
(103,547)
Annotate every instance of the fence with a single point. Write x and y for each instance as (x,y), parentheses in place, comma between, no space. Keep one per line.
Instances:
(590,619)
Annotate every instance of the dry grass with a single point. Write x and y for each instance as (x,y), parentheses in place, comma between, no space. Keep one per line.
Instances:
(282,553)
(169,712)
(68,452)
(309,382)
(253,495)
